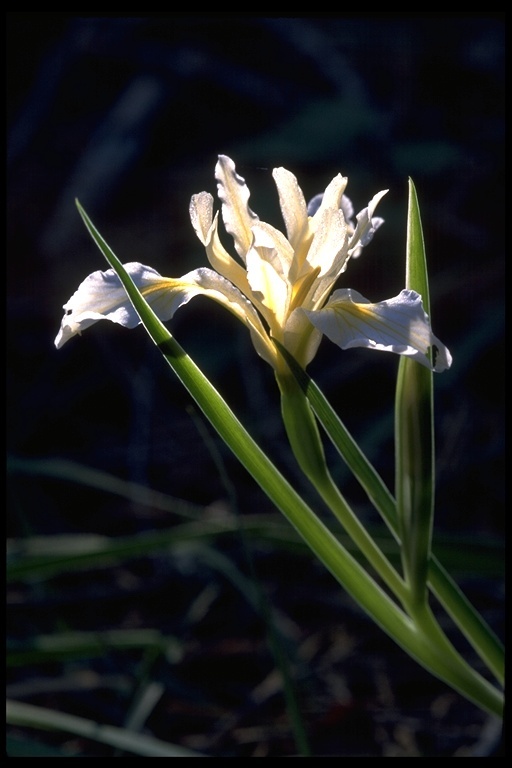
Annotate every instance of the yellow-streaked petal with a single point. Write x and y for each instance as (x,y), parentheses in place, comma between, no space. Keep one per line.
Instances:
(101,296)
(234,195)
(209,283)
(397,325)
(269,286)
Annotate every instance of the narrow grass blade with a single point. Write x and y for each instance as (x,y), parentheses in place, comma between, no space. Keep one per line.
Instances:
(31,716)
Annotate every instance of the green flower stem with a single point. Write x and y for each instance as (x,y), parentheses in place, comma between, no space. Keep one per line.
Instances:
(302,431)
(471,624)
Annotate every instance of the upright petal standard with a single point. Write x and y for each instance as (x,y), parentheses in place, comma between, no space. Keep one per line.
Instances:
(280,285)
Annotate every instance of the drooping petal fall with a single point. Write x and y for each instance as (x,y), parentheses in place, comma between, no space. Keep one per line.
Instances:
(101,296)
(397,325)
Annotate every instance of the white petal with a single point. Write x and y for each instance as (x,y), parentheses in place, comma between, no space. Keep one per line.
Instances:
(269,286)
(206,281)
(332,196)
(273,247)
(209,283)
(367,225)
(293,205)
(201,214)
(345,205)
(234,195)
(101,296)
(397,325)
(328,248)
(201,211)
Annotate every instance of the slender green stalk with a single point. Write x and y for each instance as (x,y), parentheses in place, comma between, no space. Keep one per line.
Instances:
(302,431)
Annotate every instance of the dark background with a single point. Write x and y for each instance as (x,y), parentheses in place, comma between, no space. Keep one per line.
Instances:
(128,114)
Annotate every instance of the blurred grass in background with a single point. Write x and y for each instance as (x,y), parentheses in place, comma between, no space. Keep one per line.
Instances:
(146,572)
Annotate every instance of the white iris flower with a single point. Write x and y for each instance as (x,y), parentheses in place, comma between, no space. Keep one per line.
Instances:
(280,285)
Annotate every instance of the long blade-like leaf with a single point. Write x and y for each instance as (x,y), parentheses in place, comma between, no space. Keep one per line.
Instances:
(414,430)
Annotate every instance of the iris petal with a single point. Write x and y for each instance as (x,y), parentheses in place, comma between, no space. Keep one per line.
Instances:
(234,195)
(293,205)
(397,325)
(101,296)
